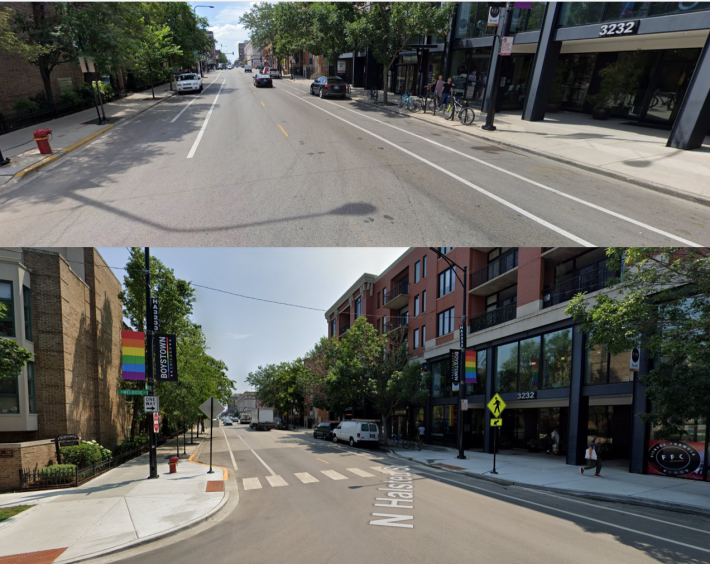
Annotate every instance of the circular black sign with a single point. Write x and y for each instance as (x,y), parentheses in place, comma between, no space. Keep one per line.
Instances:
(635,354)
(494,12)
(674,458)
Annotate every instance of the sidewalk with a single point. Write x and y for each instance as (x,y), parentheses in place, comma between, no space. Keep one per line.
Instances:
(117,510)
(616,148)
(546,472)
(69,133)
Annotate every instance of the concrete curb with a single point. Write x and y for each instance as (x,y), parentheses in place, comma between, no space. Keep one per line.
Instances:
(79,144)
(667,190)
(668,506)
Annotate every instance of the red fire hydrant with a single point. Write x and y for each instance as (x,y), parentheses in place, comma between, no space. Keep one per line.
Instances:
(42,139)
(173,464)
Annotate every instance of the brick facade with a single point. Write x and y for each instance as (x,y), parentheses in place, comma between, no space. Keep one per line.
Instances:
(34,454)
(21,80)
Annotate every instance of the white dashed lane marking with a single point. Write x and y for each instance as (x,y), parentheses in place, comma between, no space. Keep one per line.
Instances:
(334,475)
(362,473)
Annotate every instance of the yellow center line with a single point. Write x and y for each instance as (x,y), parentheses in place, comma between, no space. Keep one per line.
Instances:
(322,460)
(263,104)
(282,129)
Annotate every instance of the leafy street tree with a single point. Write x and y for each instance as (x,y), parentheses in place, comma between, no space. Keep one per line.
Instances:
(262,24)
(319,387)
(200,375)
(294,24)
(278,385)
(330,32)
(222,58)
(389,27)
(663,304)
(155,49)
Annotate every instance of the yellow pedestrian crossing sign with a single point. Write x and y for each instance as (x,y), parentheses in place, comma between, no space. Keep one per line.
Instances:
(496,422)
(496,405)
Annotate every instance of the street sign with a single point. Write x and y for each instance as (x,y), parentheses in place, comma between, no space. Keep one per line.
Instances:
(166,349)
(156,423)
(132,392)
(211,409)
(462,337)
(151,404)
(464,405)
(493,16)
(506,46)
(634,363)
(154,314)
(454,370)
(496,422)
(496,405)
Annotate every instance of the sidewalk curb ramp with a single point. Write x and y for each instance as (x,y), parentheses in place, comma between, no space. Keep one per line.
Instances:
(678,508)
(79,144)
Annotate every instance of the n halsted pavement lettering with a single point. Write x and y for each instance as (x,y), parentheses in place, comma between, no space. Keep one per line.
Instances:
(400,494)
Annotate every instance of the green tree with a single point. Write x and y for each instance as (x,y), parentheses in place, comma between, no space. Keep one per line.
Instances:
(663,304)
(222,58)
(389,27)
(330,31)
(155,49)
(278,385)
(294,26)
(262,24)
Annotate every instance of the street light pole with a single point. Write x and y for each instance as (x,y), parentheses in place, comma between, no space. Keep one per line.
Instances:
(199,62)
(501,32)
(462,384)
(153,459)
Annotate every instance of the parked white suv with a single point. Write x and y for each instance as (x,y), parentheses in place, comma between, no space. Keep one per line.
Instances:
(189,83)
(274,73)
(357,432)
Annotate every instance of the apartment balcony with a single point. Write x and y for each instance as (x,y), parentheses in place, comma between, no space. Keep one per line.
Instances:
(396,324)
(343,328)
(496,275)
(591,281)
(493,318)
(397,297)
(561,254)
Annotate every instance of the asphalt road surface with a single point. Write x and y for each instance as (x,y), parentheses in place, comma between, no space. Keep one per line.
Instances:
(242,166)
(306,501)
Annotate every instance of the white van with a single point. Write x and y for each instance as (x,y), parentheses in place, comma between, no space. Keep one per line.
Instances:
(357,432)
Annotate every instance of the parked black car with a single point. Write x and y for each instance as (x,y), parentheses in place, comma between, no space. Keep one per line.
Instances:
(329,86)
(280,424)
(325,430)
(263,80)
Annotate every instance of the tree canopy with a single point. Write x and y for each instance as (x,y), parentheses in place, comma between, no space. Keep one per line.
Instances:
(663,305)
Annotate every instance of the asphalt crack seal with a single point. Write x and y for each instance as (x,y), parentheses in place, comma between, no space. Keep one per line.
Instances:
(400,491)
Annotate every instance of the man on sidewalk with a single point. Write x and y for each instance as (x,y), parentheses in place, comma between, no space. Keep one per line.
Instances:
(438,87)
(594,458)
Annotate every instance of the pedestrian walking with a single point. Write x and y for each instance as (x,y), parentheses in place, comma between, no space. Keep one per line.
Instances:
(555,444)
(446,92)
(594,458)
(438,87)
(421,435)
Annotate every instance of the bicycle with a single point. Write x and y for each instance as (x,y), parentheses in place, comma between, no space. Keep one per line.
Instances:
(347,86)
(372,94)
(465,114)
(404,100)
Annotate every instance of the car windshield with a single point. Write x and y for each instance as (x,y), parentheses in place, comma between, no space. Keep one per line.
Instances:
(188,77)
(373,428)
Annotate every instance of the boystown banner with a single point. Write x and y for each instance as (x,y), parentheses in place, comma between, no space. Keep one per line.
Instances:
(470,365)
(678,459)
(455,358)
(166,354)
(133,355)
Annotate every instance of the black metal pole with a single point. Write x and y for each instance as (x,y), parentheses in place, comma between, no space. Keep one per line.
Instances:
(502,31)
(3,160)
(462,363)
(211,431)
(149,366)
(495,434)
(706,470)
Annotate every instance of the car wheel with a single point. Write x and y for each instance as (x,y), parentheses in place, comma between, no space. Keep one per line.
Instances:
(321,93)
(335,439)
(352,442)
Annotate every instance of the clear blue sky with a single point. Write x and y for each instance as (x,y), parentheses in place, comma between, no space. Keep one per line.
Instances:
(224,22)
(246,333)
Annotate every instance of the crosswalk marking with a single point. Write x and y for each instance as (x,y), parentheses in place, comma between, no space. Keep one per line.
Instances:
(381,469)
(276,481)
(334,475)
(362,473)
(306,478)
(251,483)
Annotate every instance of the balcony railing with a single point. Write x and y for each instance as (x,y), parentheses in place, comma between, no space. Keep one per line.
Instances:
(492,318)
(393,323)
(505,262)
(400,289)
(343,328)
(588,282)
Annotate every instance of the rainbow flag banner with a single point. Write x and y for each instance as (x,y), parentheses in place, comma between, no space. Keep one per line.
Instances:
(133,352)
(470,364)
(450,420)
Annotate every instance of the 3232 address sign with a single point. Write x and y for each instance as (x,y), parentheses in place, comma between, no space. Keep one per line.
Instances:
(619,28)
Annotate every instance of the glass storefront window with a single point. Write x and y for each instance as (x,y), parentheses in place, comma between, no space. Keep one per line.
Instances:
(625,10)
(665,8)
(469,73)
(507,368)
(438,378)
(619,368)
(443,423)
(600,368)
(529,364)
(581,13)
(557,359)
(473,21)
(528,20)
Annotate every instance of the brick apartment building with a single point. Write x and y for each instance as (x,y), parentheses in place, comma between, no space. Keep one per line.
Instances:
(528,349)
(64,309)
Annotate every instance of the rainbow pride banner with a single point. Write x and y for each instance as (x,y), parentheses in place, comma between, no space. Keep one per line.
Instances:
(450,421)
(133,355)
(470,367)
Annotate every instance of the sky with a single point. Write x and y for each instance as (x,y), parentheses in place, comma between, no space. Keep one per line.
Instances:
(224,22)
(246,333)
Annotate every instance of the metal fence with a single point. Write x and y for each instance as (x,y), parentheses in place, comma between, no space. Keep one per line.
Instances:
(590,281)
(397,290)
(492,318)
(55,477)
(500,265)
(12,121)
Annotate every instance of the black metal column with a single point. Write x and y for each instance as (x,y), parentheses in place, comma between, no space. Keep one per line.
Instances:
(494,70)
(153,458)
(578,404)
(692,124)
(490,391)
(462,367)
(544,66)
(640,431)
